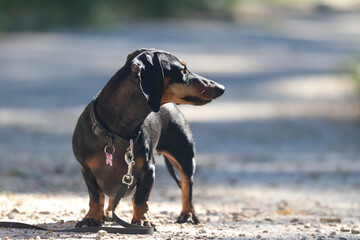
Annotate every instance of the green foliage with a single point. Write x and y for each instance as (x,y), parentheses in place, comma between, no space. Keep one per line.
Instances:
(44,14)
(355,71)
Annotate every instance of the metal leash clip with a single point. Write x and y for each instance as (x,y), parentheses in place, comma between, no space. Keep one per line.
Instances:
(128,178)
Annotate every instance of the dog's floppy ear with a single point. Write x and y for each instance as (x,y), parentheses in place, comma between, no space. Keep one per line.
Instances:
(150,72)
(131,56)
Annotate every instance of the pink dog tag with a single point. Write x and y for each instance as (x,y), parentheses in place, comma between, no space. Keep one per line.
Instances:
(109,158)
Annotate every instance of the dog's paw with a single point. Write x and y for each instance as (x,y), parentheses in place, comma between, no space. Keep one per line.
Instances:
(188,218)
(145,223)
(108,216)
(89,222)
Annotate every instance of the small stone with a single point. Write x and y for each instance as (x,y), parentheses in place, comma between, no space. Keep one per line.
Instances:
(97,237)
(44,212)
(344,229)
(202,231)
(321,237)
(258,236)
(342,238)
(303,238)
(285,211)
(333,234)
(241,234)
(102,233)
(265,231)
(15,211)
(307,225)
(37,238)
(355,231)
(331,220)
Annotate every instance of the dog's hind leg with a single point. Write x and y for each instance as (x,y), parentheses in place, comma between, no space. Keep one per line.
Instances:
(177,146)
(186,167)
(171,170)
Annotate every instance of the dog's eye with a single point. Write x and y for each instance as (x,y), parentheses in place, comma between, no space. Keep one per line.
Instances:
(184,74)
(184,71)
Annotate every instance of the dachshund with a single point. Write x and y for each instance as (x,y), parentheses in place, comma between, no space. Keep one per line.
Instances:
(139,104)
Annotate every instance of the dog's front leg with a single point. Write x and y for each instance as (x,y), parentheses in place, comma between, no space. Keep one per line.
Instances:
(141,198)
(95,215)
(108,211)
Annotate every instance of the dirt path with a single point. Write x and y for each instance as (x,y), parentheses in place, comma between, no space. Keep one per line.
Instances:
(278,154)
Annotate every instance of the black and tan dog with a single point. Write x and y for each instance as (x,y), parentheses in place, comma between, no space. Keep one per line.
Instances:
(137,103)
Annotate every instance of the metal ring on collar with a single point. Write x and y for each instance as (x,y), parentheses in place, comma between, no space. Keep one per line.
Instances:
(106,149)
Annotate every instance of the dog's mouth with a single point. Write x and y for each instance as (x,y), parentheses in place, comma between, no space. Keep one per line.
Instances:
(195,100)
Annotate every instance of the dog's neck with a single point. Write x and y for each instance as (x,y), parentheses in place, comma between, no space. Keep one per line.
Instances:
(121,105)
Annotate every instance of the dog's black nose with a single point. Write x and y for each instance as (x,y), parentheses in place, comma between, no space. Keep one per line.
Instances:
(220,89)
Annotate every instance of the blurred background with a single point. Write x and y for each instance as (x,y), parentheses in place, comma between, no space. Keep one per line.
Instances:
(287,125)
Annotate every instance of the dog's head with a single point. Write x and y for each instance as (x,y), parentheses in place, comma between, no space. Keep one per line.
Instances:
(164,78)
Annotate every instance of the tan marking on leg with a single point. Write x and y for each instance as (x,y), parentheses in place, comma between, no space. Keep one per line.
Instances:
(96,210)
(110,206)
(140,213)
(187,206)
(108,212)
(172,160)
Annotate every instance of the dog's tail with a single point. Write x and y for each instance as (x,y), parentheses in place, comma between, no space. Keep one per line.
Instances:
(171,170)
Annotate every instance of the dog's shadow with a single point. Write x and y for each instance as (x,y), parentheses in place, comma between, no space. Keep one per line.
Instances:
(67,228)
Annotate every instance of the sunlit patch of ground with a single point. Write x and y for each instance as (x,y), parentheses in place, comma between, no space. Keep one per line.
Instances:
(277,155)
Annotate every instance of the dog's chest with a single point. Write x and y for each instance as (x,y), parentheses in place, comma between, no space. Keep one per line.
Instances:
(109,177)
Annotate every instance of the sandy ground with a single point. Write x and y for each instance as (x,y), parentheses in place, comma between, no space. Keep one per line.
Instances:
(277,155)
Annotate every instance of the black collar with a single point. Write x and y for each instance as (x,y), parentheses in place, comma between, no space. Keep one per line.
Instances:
(102,132)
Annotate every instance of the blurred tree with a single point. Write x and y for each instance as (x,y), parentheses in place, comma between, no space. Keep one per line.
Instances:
(45,14)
